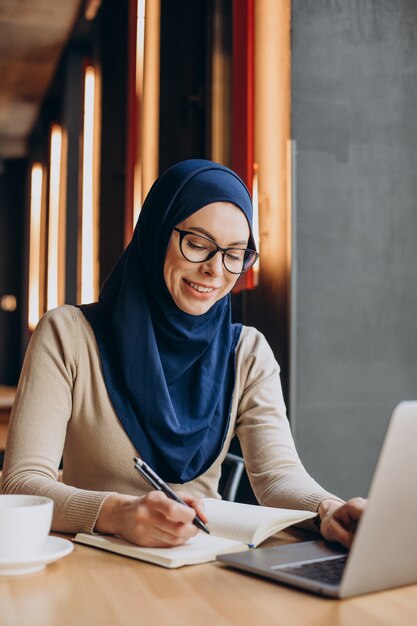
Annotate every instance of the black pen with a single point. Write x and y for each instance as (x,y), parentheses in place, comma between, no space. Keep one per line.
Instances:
(157,483)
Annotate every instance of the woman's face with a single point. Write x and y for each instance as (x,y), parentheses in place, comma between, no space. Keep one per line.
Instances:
(195,287)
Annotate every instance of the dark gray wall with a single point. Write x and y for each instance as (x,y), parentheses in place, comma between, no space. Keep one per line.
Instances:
(354,315)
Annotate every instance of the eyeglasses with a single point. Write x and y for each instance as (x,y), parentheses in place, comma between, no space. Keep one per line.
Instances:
(197,249)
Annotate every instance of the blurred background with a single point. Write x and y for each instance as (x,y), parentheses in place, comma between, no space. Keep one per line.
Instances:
(312,102)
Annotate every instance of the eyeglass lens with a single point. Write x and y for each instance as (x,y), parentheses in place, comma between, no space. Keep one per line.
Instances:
(197,249)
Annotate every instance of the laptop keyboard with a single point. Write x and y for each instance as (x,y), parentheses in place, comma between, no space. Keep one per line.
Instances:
(328,571)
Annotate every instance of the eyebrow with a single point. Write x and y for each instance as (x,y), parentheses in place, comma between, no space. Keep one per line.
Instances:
(210,236)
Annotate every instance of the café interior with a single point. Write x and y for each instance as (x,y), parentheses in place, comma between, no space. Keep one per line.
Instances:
(312,103)
(97,99)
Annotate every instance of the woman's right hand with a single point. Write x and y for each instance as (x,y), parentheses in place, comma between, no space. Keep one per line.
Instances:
(153,520)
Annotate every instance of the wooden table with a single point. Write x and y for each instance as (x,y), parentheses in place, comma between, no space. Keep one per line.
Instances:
(93,588)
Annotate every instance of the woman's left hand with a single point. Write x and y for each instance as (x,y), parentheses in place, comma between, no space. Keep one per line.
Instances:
(339,521)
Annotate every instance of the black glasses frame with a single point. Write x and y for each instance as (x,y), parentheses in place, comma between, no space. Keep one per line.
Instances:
(213,253)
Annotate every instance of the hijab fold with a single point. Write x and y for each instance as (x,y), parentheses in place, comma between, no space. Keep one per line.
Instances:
(170,375)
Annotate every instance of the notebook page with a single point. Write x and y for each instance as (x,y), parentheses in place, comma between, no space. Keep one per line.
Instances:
(249,523)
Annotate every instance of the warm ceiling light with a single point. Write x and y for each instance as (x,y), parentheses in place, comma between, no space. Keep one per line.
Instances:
(140,58)
(91,9)
(54,216)
(35,244)
(88,240)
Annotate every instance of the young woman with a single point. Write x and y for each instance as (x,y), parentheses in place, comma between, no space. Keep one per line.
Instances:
(156,369)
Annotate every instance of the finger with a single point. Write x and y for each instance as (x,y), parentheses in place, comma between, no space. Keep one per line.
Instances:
(196,504)
(173,534)
(179,513)
(162,538)
(355,507)
(159,530)
(159,503)
(333,531)
(345,519)
(350,513)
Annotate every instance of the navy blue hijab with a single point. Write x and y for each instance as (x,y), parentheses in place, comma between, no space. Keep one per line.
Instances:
(170,375)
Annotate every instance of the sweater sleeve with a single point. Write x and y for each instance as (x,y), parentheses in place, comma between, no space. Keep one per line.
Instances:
(275,471)
(38,423)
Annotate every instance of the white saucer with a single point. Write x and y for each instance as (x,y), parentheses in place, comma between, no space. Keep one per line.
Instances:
(55,548)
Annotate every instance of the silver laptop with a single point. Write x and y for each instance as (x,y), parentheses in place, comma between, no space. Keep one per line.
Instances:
(384,551)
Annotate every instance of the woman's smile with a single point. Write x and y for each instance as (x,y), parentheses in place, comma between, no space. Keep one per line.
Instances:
(199,288)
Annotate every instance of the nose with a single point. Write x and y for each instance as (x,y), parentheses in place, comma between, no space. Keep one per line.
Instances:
(213,266)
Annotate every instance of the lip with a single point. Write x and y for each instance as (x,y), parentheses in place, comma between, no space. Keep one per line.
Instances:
(201,295)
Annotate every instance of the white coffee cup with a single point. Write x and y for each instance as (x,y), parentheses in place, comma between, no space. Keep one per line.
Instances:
(25,522)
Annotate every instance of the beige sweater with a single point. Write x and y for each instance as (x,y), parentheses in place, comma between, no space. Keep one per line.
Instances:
(62,409)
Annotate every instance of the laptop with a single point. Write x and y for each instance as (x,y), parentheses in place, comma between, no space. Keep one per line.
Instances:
(384,551)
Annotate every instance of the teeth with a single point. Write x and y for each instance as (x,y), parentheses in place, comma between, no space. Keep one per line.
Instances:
(200,288)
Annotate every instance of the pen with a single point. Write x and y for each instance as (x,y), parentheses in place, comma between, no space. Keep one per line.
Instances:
(157,483)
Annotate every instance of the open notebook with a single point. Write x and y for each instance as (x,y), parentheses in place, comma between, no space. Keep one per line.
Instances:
(234,527)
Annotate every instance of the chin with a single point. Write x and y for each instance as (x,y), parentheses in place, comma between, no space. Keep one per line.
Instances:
(196,310)
(193,308)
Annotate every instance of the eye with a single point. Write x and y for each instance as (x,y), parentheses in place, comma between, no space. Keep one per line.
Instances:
(235,256)
(196,244)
